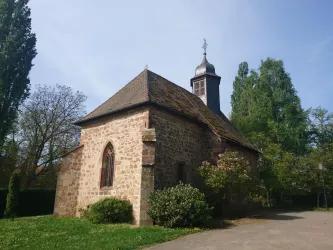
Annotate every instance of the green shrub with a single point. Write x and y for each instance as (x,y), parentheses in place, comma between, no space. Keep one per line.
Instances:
(12,201)
(110,210)
(179,206)
(230,181)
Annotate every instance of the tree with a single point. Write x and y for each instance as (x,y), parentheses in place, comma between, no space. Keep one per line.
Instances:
(268,103)
(231,178)
(8,161)
(321,139)
(284,172)
(238,85)
(321,126)
(12,201)
(267,110)
(46,126)
(17,50)
(323,155)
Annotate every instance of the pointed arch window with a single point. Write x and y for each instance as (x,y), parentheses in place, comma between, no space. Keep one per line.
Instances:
(107,174)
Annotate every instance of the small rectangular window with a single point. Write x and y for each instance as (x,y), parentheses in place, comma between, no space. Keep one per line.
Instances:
(202,84)
(199,88)
(181,173)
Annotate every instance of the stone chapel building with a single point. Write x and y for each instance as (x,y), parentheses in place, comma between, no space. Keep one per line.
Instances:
(151,134)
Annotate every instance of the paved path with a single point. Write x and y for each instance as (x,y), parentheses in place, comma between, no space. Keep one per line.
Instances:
(297,230)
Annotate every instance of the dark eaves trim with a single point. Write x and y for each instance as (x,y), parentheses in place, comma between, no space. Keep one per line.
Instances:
(146,103)
(80,122)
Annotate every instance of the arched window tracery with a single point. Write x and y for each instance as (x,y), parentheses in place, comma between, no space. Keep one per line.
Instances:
(107,174)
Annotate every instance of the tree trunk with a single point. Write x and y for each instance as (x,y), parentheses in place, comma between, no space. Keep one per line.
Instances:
(318,199)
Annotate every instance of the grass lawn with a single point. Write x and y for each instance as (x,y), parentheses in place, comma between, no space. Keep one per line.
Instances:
(47,232)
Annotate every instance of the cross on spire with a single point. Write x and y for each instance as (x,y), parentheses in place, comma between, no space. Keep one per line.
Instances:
(204,46)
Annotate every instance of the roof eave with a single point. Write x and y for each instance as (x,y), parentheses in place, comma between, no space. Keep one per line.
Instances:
(83,121)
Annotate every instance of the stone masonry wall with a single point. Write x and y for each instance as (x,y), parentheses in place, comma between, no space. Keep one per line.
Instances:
(178,141)
(181,141)
(217,145)
(67,184)
(124,131)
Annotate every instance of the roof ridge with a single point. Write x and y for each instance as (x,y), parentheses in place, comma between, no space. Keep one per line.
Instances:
(148,84)
(178,86)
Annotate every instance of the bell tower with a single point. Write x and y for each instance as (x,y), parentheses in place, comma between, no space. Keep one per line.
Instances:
(206,84)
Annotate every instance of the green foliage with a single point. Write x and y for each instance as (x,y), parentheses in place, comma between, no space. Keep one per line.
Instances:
(267,110)
(265,101)
(283,171)
(47,232)
(321,126)
(179,206)
(8,160)
(32,202)
(110,210)
(12,201)
(231,177)
(323,155)
(17,51)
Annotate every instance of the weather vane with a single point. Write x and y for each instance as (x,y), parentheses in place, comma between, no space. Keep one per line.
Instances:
(146,67)
(204,46)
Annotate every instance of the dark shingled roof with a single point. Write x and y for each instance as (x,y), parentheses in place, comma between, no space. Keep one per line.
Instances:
(150,88)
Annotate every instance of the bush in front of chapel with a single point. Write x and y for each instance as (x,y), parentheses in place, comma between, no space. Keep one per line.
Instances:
(179,206)
(110,210)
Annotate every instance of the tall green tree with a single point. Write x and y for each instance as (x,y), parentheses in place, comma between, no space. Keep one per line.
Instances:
(265,101)
(8,161)
(238,85)
(17,50)
(267,110)
(12,201)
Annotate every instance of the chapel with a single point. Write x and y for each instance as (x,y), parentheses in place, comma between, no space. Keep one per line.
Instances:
(151,134)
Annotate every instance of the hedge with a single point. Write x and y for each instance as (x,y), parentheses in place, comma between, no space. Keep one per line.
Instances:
(32,202)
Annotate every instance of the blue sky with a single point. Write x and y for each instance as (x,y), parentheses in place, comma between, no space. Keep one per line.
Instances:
(99,46)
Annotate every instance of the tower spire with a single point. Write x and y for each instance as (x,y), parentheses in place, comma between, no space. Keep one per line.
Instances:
(206,84)
(204,46)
